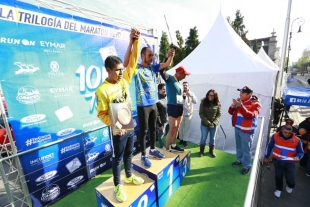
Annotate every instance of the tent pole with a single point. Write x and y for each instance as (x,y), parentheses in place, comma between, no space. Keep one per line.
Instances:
(284,44)
(272,105)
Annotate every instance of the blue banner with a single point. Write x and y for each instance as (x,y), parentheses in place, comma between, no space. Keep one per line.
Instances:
(98,137)
(43,177)
(59,188)
(43,158)
(51,64)
(99,152)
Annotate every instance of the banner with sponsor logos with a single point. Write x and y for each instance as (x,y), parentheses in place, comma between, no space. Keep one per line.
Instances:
(296,96)
(51,66)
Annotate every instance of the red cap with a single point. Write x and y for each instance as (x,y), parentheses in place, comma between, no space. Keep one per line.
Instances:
(181,69)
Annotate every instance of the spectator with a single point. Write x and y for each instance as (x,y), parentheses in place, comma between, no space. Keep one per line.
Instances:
(244,113)
(286,110)
(304,132)
(289,121)
(185,126)
(287,149)
(162,118)
(210,114)
(278,109)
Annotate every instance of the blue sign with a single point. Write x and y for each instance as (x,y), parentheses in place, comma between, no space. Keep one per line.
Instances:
(98,137)
(53,65)
(44,157)
(44,176)
(59,188)
(99,166)
(99,152)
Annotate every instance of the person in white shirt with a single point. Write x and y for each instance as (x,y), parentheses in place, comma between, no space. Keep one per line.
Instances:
(189,99)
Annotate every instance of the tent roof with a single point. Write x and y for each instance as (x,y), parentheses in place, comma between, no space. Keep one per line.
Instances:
(223,58)
(262,54)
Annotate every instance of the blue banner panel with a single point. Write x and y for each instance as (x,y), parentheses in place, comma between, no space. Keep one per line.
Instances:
(59,188)
(44,176)
(44,157)
(98,153)
(52,64)
(98,137)
(296,96)
(99,166)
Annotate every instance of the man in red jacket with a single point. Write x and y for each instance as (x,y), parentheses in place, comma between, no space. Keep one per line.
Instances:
(244,113)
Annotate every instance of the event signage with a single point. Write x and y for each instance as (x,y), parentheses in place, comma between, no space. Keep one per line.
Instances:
(52,64)
(99,166)
(44,176)
(98,137)
(42,158)
(59,188)
(99,152)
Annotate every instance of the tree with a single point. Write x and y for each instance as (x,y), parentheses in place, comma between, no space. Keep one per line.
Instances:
(255,48)
(303,62)
(163,47)
(239,27)
(179,53)
(191,42)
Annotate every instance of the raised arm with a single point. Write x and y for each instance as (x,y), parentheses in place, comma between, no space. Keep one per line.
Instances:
(166,64)
(132,56)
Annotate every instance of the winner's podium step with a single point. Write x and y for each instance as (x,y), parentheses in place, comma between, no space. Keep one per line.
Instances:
(165,173)
(138,195)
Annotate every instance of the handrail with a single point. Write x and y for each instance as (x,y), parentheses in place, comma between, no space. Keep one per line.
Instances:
(253,177)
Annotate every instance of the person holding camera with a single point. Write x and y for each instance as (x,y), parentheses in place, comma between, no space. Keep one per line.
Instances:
(188,108)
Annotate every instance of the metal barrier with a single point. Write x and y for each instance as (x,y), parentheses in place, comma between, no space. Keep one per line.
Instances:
(251,196)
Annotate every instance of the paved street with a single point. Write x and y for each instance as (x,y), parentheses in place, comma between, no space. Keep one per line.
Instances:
(300,195)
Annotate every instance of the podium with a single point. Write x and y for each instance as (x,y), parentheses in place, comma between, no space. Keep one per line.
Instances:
(184,163)
(138,195)
(165,173)
(162,180)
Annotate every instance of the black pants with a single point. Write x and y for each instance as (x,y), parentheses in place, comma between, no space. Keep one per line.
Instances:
(147,116)
(122,150)
(284,169)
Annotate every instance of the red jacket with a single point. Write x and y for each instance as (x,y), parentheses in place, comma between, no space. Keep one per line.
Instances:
(244,117)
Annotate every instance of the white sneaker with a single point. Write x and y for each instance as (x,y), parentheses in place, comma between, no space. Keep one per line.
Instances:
(288,189)
(277,193)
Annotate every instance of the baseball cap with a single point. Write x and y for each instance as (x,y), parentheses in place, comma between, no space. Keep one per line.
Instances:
(181,69)
(245,89)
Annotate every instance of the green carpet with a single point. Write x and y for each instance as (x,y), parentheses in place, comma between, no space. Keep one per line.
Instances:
(210,182)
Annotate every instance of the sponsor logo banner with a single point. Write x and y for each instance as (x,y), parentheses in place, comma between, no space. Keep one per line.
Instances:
(45,176)
(47,194)
(99,152)
(44,157)
(98,137)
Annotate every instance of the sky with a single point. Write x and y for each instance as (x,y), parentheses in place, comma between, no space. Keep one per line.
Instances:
(261,17)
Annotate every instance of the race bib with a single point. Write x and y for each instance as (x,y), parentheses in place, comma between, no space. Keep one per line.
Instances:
(179,99)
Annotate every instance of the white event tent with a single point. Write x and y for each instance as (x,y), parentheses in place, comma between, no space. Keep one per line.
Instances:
(223,62)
